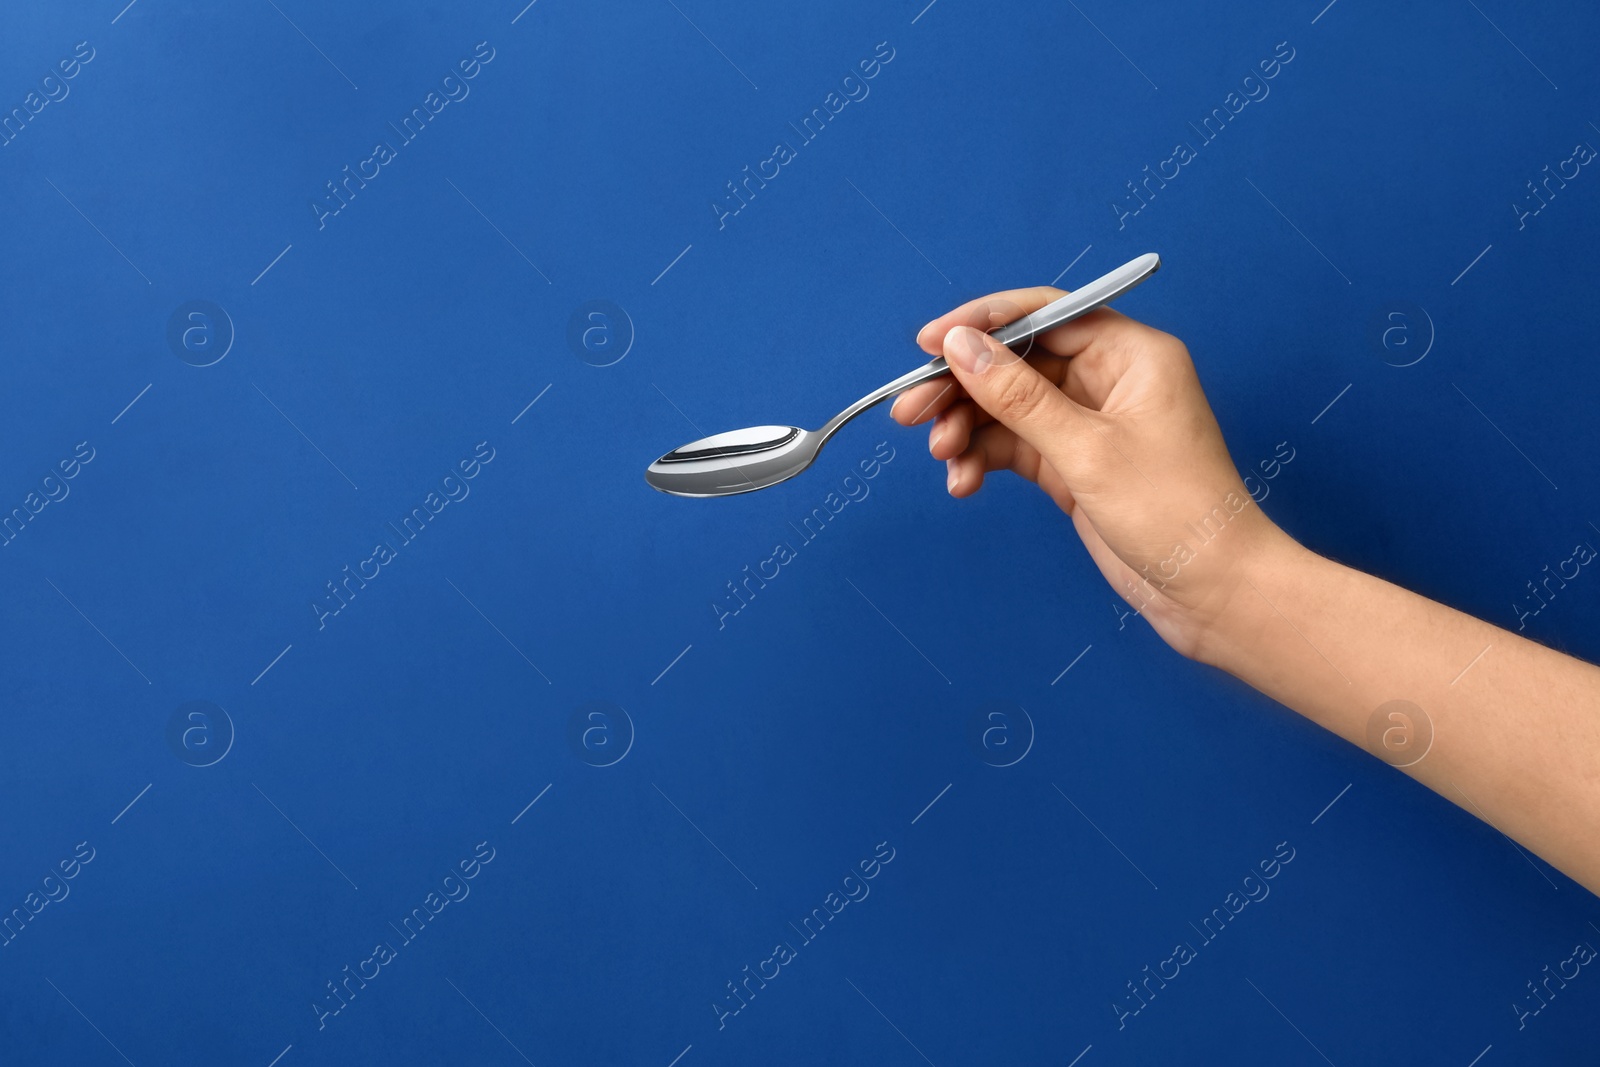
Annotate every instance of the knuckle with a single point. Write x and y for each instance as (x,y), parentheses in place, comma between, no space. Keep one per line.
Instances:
(1172,349)
(1135,342)
(1162,345)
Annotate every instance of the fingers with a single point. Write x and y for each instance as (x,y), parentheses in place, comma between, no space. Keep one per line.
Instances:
(986,313)
(989,313)
(1013,391)
(993,448)
(930,399)
(952,431)
(1086,357)
(921,403)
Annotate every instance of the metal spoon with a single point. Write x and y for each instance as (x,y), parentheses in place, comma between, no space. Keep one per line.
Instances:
(741,461)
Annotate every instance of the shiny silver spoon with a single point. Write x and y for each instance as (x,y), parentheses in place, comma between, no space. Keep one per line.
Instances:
(741,461)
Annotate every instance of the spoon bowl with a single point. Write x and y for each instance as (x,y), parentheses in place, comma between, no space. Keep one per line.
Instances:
(738,461)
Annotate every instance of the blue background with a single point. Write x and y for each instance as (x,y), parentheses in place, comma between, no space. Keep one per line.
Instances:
(761,760)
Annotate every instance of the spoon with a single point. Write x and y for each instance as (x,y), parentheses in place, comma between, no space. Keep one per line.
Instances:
(742,461)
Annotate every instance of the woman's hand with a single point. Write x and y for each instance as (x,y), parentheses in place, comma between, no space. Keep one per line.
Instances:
(1107,416)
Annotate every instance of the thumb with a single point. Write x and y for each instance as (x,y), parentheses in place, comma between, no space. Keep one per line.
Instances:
(1016,394)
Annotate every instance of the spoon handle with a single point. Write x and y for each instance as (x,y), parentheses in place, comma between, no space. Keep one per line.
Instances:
(1102,290)
(1075,304)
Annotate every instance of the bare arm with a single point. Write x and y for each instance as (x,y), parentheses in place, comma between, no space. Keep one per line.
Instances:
(1508,729)
(1107,416)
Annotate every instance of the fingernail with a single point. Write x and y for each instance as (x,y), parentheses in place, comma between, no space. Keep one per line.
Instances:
(894,407)
(964,347)
(920,340)
(935,438)
(953,478)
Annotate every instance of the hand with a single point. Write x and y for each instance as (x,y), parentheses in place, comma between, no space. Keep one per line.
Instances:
(1107,416)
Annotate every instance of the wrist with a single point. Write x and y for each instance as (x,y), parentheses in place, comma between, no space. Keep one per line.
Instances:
(1237,633)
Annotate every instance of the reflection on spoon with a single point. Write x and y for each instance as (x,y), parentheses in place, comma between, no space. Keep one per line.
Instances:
(738,461)
(741,461)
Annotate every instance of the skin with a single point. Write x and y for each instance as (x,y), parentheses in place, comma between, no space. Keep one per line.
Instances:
(1107,416)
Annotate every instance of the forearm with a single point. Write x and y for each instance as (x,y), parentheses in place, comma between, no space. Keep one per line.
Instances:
(1516,726)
